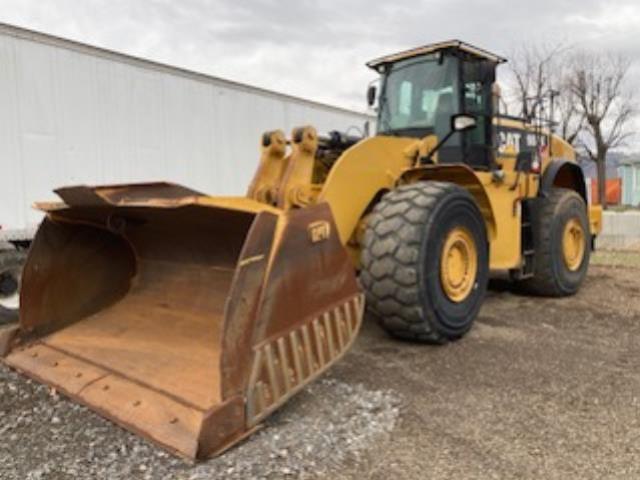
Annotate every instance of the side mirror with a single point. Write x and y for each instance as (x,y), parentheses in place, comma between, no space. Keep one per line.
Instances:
(460,122)
(371,95)
(463,122)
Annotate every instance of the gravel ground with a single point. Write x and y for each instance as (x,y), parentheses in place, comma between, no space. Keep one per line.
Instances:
(541,388)
(48,437)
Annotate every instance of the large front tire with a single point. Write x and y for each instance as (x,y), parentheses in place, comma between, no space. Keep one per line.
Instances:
(425,262)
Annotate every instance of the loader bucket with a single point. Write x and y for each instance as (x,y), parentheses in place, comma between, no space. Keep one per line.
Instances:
(184,318)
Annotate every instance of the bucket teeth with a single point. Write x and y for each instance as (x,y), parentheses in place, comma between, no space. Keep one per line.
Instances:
(271,372)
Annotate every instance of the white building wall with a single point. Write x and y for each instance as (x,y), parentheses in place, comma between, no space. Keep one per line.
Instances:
(73,114)
(620,231)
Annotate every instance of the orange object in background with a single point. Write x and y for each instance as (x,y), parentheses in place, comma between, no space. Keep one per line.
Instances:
(613,190)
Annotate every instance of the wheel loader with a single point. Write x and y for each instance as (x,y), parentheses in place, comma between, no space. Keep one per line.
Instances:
(189,318)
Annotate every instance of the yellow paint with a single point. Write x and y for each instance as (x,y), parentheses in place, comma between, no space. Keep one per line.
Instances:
(499,201)
(458,264)
(376,165)
(296,189)
(504,230)
(284,180)
(265,184)
(371,166)
(422,148)
(573,244)
(560,148)
(595,219)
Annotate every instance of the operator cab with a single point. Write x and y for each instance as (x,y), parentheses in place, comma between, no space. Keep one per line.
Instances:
(424,90)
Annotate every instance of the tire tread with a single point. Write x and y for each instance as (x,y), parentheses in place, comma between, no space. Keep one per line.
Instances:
(390,260)
(544,281)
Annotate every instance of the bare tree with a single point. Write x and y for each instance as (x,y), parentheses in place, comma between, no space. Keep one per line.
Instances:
(542,71)
(532,67)
(597,84)
(568,114)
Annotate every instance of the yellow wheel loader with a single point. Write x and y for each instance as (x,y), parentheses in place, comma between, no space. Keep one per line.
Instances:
(188,318)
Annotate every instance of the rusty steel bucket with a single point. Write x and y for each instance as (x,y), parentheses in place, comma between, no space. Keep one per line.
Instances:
(184,318)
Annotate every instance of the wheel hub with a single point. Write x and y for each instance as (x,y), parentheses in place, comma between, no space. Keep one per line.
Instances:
(573,244)
(458,264)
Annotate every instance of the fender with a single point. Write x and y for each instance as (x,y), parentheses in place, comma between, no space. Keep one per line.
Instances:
(461,175)
(565,174)
(359,175)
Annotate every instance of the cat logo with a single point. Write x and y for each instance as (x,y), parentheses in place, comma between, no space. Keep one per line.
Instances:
(509,141)
(319,231)
(517,140)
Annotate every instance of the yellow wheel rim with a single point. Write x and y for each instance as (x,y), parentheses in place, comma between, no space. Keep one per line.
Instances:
(573,244)
(458,264)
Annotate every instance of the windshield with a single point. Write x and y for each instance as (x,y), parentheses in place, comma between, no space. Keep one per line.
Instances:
(418,95)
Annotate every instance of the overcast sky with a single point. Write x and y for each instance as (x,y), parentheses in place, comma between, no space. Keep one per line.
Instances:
(318,49)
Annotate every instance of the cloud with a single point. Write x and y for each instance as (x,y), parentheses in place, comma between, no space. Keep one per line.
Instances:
(318,49)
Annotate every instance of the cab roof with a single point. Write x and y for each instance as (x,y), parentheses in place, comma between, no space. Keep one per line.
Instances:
(436,47)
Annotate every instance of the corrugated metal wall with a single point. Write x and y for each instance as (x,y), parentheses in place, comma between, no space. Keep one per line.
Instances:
(73,114)
(630,175)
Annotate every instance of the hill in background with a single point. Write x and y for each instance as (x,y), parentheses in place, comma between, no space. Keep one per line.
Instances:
(614,159)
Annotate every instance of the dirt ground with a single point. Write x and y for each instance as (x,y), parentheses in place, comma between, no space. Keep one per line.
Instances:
(541,388)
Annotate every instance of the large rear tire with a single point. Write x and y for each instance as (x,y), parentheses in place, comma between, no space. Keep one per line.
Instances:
(562,244)
(425,262)
(11,263)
